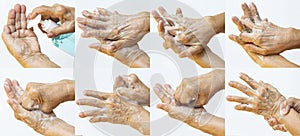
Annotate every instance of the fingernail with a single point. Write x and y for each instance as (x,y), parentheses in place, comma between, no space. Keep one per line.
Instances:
(50,34)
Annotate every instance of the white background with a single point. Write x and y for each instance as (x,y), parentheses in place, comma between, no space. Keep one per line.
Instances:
(281,13)
(161,65)
(250,124)
(56,55)
(9,124)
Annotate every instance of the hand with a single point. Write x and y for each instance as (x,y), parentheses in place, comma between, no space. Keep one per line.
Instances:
(290,103)
(121,30)
(263,99)
(36,119)
(197,91)
(20,41)
(190,44)
(270,38)
(132,89)
(131,56)
(47,96)
(110,108)
(57,12)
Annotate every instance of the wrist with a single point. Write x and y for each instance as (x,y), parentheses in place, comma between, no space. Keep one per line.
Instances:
(36,60)
(276,109)
(140,120)
(217,22)
(294,38)
(66,87)
(219,79)
(134,57)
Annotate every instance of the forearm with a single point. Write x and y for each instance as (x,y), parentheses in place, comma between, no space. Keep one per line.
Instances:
(142,61)
(207,59)
(218,22)
(291,121)
(219,80)
(209,123)
(37,61)
(133,57)
(295,38)
(67,91)
(58,127)
(276,61)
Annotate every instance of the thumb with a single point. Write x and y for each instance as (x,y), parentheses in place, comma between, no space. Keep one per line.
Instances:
(67,27)
(164,106)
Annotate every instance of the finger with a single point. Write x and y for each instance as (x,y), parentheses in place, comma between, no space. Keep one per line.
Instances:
(42,10)
(163,12)
(236,39)
(91,22)
(255,49)
(251,82)
(18,16)
(244,107)
(179,12)
(238,23)
(99,119)
(97,94)
(103,11)
(161,28)
(242,100)
(104,48)
(254,11)
(88,113)
(190,51)
(94,16)
(163,106)
(91,102)
(160,92)
(11,20)
(169,90)
(157,17)
(251,25)
(6,35)
(11,94)
(18,88)
(246,90)
(23,17)
(64,28)
(104,34)
(84,27)
(247,37)
(19,111)
(246,9)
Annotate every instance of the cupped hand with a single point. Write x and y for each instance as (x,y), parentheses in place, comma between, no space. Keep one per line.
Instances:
(57,12)
(36,119)
(263,99)
(121,30)
(132,89)
(20,41)
(197,91)
(110,108)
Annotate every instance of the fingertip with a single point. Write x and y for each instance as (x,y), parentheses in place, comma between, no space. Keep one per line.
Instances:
(82,115)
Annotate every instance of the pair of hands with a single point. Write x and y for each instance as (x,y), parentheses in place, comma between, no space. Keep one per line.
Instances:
(35,105)
(123,106)
(188,37)
(118,34)
(262,40)
(23,43)
(263,99)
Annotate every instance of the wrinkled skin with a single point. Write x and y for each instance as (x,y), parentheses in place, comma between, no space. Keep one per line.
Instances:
(132,89)
(176,26)
(131,56)
(291,102)
(20,41)
(46,96)
(110,108)
(197,91)
(57,12)
(35,119)
(269,38)
(121,30)
(263,99)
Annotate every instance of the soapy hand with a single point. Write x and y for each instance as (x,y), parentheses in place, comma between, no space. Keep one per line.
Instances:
(197,91)
(121,30)
(57,12)
(291,102)
(20,41)
(132,89)
(36,119)
(268,37)
(264,99)
(110,108)
(46,96)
